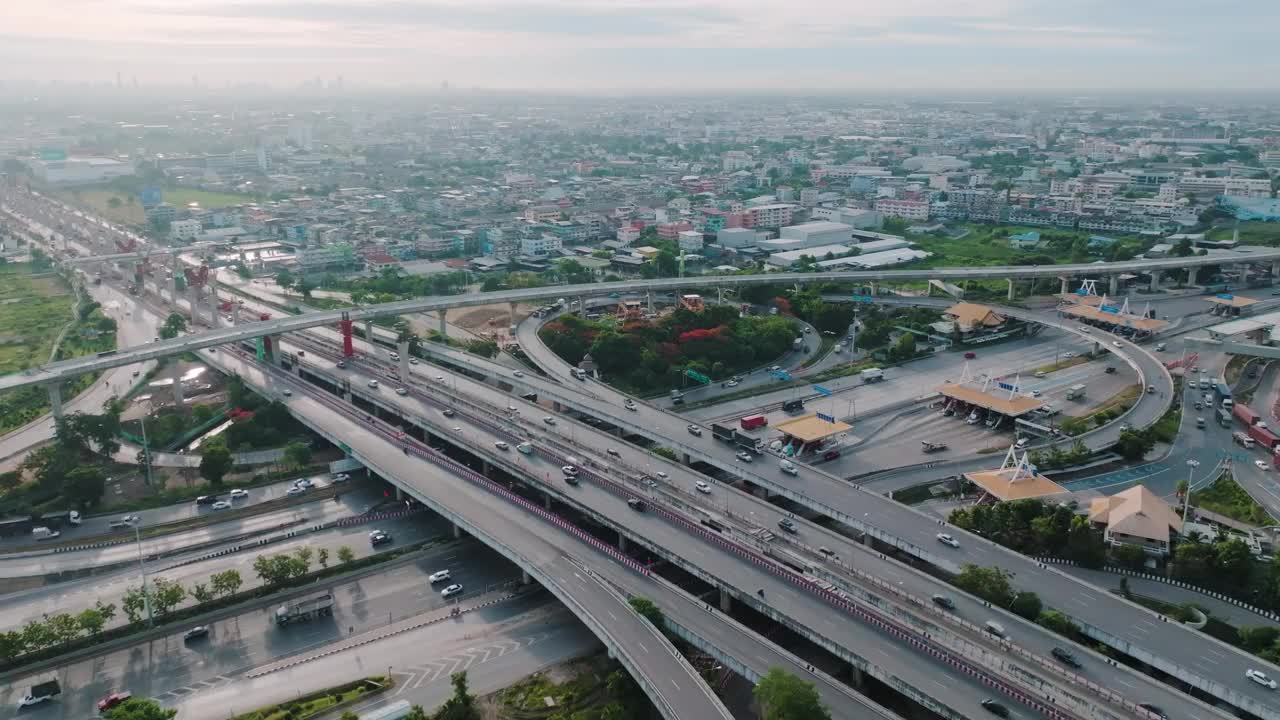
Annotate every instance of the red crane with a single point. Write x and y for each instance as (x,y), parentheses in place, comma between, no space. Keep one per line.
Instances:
(198,277)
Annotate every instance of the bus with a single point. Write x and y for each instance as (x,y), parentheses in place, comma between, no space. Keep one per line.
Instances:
(1030,428)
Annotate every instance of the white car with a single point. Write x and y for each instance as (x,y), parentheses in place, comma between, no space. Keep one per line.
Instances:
(450,591)
(662,475)
(1068,355)
(287,392)
(1261,678)
(744,456)
(1117,343)
(438,576)
(295,490)
(518,373)
(629,405)
(947,540)
(221,505)
(569,471)
(439,378)
(373,384)
(1041,373)
(502,445)
(1261,465)
(703,487)
(341,478)
(732,383)
(549,420)
(1035,393)
(413,361)
(237,493)
(402,391)
(304,483)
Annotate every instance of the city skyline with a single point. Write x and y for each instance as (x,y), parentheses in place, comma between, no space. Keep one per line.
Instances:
(589,45)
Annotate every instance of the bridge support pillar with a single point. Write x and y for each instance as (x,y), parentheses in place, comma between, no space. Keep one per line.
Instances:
(444,333)
(1155,280)
(173,280)
(582,307)
(399,493)
(875,288)
(403,349)
(648,295)
(55,400)
(726,601)
(511,316)
(1275,269)
(348,346)
(178,400)
(1066,285)
(271,346)
(868,540)
(856,678)
(1192,272)
(486,469)
(368,333)
(213,299)
(686,459)
(622,542)
(457,532)
(555,405)
(761,492)
(1113,287)
(546,501)
(1012,290)
(235,314)
(719,295)
(525,578)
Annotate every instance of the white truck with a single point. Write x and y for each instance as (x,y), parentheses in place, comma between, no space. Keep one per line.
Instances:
(871,375)
(304,609)
(1075,392)
(40,692)
(44,533)
(788,467)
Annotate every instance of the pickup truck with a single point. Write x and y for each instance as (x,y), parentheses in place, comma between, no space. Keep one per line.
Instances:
(932,447)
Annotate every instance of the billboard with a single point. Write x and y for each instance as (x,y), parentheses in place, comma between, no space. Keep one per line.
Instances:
(49,154)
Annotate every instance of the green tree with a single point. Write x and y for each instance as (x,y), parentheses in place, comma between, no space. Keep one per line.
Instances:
(139,709)
(990,583)
(1059,623)
(648,610)
(63,627)
(91,621)
(303,557)
(297,454)
(783,696)
(1026,604)
(201,593)
(226,582)
(284,279)
(166,595)
(173,326)
(12,645)
(904,348)
(1129,556)
(345,555)
(1134,446)
(461,705)
(84,486)
(322,557)
(215,461)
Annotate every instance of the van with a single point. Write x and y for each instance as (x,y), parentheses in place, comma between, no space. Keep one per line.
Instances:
(395,357)
(580,374)
(994,628)
(525,448)
(1160,347)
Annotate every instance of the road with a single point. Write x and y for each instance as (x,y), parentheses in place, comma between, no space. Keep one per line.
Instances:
(17,608)
(168,668)
(758,513)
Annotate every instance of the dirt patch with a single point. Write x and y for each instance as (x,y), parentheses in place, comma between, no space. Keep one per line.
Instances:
(493,317)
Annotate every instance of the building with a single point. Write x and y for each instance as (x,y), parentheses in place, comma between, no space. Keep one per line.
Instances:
(671,231)
(79,170)
(790,257)
(627,234)
(184,229)
(734,160)
(906,209)
(816,233)
(691,241)
(164,212)
(768,216)
(736,238)
(1025,241)
(809,196)
(542,213)
(1136,517)
(377,262)
(971,317)
(856,218)
(540,245)
(317,258)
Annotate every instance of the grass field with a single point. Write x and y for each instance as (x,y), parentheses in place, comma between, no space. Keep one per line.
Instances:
(129,210)
(1251,233)
(33,311)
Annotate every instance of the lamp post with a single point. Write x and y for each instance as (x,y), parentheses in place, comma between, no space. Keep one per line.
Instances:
(1186,499)
(142,568)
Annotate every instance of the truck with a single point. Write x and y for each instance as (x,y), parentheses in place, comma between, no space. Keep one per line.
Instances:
(793,405)
(1224,417)
(871,375)
(1246,415)
(40,692)
(1263,437)
(304,609)
(44,533)
(751,422)
(1222,391)
(1075,392)
(1242,439)
(932,447)
(53,521)
(733,437)
(787,467)
(797,344)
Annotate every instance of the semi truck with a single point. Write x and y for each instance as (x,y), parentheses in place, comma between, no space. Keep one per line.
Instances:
(1246,415)
(733,437)
(932,447)
(53,521)
(871,375)
(304,609)
(1075,392)
(1224,417)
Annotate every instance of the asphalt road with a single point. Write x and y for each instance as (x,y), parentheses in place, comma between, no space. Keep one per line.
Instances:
(168,668)
(71,596)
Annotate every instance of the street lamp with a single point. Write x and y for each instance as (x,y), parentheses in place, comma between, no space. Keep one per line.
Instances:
(1186,499)
(142,568)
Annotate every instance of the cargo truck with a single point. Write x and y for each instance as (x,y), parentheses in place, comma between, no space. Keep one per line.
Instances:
(304,609)
(1242,439)
(797,344)
(932,447)
(1075,392)
(1224,417)
(751,422)
(793,406)
(1246,415)
(733,437)
(871,375)
(40,692)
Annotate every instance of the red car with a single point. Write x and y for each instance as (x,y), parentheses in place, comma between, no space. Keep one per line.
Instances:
(970,355)
(831,455)
(113,700)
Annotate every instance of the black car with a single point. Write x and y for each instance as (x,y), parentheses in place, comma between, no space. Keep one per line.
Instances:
(1154,710)
(206,499)
(995,708)
(635,504)
(378,537)
(1110,370)
(1065,657)
(943,601)
(787,525)
(196,633)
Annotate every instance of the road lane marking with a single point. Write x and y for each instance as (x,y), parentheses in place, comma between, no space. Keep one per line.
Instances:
(642,647)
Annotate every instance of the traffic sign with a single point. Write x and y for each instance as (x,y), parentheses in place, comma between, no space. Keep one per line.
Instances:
(1008,386)
(782,374)
(695,375)
(828,418)
(822,391)
(1109,308)
(1226,296)
(863,299)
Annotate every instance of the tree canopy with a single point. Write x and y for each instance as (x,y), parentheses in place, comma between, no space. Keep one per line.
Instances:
(783,696)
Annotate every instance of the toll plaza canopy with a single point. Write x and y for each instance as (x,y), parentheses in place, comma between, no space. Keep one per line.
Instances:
(808,433)
(1005,403)
(1233,301)
(1244,325)
(1015,479)
(1098,315)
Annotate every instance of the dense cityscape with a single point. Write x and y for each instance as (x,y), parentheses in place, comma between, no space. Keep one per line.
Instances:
(332,399)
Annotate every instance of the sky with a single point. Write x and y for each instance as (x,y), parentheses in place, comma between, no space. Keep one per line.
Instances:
(649,45)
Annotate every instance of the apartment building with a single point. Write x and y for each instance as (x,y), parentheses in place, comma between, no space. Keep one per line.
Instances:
(316,258)
(540,245)
(767,216)
(906,209)
(671,231)
(542,213)
(184,229)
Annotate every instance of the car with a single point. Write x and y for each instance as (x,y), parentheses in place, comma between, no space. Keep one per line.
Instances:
(995,708)
(1117,343)
(136,373)
(1041,373)
(694,430)
(373,384)
(1261,678)
(613,452)
(1064,656)
(1261,465)
(295,490)
(775,368)
(342,364)
(703,487)
(413,361)
(454,589)
(826,551)
(113,699)
(970,355)
(831,455)
(636,504)
(501,445)
(947,540)
(457,428)
(449,412)
(662,475)
(206,500)
(513,409)
(402,391)
(744,456)
(943,601)
(1110,370)
(304,483)
(438,576)
(1151,389)
(1068,355)
(236,494)
(807,329)
(629,404)
(525,448)
(378,537)
(195,633)
(1154,710)
(439,378)
(395,357)
(1084,329)
(341,478)
(1036,393)
(731,383)
(221,505)
(648,481)
(518,373)
(787,525)
(126,521)
(549,420)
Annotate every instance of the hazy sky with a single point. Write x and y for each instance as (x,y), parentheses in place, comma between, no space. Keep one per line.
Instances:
(650,44)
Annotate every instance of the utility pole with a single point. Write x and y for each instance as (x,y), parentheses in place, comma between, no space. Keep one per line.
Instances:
(142,568)
(1186,499)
